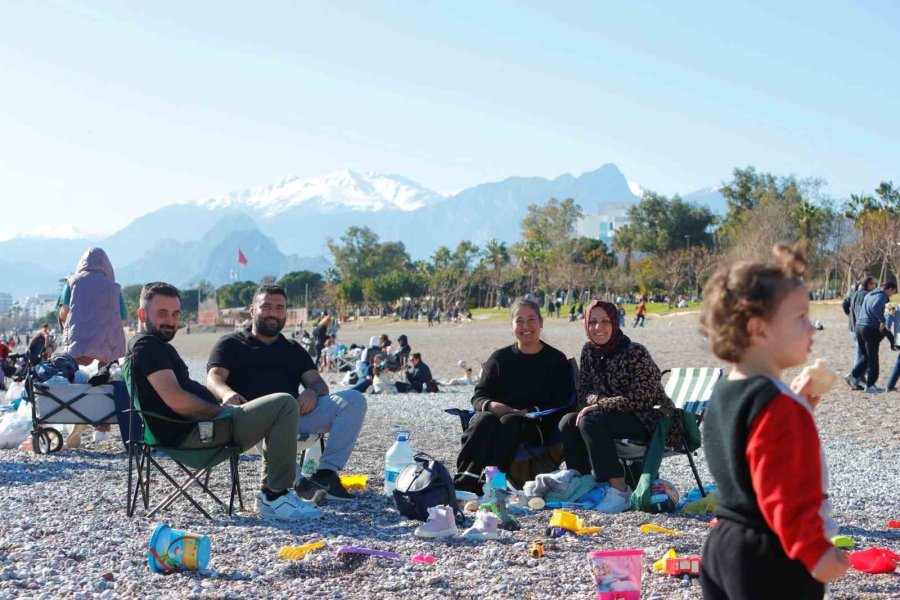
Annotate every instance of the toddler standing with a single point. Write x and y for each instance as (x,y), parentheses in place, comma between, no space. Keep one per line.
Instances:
(761,442)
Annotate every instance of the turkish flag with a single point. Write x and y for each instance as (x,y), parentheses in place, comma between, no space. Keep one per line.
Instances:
(241,258)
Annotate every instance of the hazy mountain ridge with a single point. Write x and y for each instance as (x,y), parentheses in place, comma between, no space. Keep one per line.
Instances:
(284,226)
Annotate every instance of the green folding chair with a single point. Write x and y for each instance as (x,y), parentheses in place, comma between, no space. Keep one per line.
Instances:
(690,390)
(195,464)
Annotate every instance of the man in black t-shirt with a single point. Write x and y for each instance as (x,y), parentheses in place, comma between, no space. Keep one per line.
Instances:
(161,380)
(257,361)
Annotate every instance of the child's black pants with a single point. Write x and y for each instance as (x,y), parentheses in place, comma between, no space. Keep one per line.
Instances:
(740,563)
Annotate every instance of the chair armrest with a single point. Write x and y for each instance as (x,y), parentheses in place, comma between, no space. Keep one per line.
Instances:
(225,417)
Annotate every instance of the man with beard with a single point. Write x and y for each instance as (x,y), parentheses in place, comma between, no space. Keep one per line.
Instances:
(164,387)
(260,360)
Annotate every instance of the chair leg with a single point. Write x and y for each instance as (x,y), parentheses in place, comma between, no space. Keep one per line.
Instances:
(179,490)
(129,504)
(690,457)
(237,481)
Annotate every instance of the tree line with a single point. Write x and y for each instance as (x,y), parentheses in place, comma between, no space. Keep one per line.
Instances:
(668,247)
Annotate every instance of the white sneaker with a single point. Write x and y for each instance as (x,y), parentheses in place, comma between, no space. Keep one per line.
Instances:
(615,501)
(100,436)
(874,390)
(441,523)
(287,507)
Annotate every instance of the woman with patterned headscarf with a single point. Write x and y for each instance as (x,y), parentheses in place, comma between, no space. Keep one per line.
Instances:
(618,386)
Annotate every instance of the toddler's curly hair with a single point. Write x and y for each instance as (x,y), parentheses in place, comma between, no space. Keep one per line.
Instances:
(745,289)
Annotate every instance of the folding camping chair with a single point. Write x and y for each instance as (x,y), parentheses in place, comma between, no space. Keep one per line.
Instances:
(689,389)
(195,463)
(531,461)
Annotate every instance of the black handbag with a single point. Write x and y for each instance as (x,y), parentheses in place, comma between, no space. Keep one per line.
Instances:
(424,484)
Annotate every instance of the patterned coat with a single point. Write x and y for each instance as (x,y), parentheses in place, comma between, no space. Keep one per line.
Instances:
(626,382)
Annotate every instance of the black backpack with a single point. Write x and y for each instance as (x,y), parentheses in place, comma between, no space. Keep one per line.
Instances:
(424,484)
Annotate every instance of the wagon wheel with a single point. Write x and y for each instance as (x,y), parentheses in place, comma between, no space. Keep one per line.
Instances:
(46,440)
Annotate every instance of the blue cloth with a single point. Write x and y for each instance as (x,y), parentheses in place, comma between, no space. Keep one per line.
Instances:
(871,313)
(595,496)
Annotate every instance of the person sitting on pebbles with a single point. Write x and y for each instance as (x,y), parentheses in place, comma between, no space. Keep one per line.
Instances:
(162,382)
(260,361)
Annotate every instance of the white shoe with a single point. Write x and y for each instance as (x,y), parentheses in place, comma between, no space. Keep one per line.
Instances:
(615,501)
(287,507)
(485,527)
(100,436)
(441,523)
(874,390)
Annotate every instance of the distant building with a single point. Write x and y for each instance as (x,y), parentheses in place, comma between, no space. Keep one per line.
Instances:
(600,226)
(36,306)
(5,303)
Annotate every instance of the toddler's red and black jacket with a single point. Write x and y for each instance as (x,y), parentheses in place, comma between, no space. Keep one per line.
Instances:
(763,450)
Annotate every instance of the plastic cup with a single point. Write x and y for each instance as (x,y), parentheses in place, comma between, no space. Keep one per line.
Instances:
(617,573)
(173,550)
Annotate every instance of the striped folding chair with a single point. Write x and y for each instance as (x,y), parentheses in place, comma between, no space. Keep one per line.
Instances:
(689,389)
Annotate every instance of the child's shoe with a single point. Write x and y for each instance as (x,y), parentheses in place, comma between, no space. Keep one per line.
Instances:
(615,501)
(441,523)
(485,527)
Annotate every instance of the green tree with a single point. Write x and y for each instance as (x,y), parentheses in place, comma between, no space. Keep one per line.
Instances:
(659,225)
(132,294)
(236,294)
(298,283)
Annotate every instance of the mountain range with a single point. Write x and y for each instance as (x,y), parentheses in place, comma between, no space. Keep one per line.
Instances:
(284,226)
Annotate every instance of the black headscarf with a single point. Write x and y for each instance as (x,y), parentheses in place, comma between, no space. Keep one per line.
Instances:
(618,341)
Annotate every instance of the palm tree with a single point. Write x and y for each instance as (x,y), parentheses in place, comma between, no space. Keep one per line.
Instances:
(496,254)
(859,205)
(808,215)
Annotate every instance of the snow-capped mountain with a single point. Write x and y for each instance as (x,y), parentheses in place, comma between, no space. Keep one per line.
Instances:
(343,190)
(286,225)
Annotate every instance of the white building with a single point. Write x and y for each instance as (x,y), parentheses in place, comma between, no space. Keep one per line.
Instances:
(5,303)
(601,226)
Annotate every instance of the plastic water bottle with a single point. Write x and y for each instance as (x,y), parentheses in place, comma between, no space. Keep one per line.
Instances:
(396,459)
(311,460)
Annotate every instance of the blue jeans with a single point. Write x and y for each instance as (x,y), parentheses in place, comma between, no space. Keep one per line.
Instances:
(341,416)
(895,375)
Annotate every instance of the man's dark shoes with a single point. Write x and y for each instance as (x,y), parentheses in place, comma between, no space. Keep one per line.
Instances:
(324,482)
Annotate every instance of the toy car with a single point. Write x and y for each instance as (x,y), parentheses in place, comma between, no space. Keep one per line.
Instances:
(683,565)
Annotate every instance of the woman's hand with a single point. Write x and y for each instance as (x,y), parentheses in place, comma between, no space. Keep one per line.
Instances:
(801,386)
(500,409)
(584,411)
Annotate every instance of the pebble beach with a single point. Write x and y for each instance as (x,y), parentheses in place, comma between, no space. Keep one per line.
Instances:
(64,532)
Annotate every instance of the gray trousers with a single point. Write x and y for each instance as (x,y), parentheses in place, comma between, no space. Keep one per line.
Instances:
(272,419)
(341,416)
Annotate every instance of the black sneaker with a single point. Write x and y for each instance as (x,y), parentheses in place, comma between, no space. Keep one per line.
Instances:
(326,483)
(310,493)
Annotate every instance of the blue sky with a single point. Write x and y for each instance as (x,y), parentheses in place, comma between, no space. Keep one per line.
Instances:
(111,109)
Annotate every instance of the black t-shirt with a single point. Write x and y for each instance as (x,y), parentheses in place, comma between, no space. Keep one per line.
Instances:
(256,369)
(149,355)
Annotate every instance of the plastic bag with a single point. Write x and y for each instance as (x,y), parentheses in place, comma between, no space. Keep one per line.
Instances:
(15,393)
(15,427)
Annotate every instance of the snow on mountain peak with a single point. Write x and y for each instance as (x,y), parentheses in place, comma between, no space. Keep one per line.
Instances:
(636,189)
(346,189)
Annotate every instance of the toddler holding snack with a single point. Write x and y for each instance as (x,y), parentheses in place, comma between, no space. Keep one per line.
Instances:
(760,438)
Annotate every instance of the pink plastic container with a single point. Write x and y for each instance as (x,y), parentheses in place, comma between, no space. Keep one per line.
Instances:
(617,573)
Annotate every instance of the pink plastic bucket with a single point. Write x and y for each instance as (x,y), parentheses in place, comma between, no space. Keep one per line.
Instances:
(617,573)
